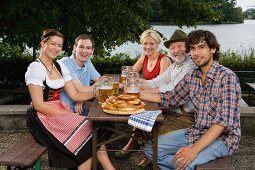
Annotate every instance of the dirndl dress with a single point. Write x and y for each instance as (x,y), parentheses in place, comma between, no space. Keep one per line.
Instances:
(68,137)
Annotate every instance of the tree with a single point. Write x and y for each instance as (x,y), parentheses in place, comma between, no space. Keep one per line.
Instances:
(22,22)
(237,15)
(249,13)
(111,23)
(155,11)
(189,12)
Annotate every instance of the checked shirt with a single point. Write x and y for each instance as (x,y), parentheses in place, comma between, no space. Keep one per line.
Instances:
(215,103)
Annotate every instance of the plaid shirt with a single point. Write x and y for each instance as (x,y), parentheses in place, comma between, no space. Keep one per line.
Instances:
(216,103)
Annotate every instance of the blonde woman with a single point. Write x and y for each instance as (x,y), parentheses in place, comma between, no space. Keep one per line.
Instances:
(152,63)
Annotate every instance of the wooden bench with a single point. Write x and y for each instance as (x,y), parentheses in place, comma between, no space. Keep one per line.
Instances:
(218,164)
(24,154)
(243,103)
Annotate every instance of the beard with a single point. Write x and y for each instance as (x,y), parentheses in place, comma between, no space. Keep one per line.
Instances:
(179,58)
(203,63)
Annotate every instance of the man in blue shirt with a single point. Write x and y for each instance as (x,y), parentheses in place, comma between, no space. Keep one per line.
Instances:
(81,70)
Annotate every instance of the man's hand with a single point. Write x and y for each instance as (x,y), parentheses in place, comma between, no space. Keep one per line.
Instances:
(183,157)
(186,154)
(78,107)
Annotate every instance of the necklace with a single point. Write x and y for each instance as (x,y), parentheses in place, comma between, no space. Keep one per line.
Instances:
(151,64)
(49,70)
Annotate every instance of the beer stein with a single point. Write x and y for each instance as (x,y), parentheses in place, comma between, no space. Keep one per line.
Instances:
(133,75)
(124,72)
(115,85)
(105,88)
(133,84)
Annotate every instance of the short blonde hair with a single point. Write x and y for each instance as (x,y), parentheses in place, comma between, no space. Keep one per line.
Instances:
(150,33)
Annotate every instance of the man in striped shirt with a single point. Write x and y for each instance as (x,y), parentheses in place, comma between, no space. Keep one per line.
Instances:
(215,93)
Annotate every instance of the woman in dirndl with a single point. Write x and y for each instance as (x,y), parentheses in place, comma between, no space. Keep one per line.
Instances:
(67,135)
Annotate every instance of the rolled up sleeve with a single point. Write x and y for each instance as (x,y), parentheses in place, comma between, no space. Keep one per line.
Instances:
(229,114)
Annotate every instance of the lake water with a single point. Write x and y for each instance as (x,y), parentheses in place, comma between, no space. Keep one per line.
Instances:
(233,37)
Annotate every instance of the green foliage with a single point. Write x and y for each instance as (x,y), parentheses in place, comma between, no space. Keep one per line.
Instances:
(189,12)
(155,12)
(112,64)
(249,14)
(237,16)
(229,12)
(9,53)
(245,62)
(110,23)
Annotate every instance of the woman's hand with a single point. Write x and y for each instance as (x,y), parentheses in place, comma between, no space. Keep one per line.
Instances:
(78,107)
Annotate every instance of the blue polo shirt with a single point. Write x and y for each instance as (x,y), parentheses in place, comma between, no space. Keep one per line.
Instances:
(84,74)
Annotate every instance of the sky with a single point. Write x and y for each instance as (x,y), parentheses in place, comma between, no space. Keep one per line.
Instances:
(245,4)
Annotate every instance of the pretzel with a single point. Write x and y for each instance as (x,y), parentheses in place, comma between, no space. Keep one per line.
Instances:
(128,96)
(124,104)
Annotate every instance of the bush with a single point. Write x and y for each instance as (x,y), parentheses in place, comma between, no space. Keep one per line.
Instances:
(10,54)
(237,62)
(112,65)
(14,63)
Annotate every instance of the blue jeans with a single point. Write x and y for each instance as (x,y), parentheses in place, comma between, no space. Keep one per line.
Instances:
(169,143)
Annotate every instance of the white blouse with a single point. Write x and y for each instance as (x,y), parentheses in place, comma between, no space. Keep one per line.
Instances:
(36,74)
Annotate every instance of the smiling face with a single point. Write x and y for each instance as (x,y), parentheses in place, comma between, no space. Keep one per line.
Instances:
(202,55)
(83,50)
(52,46)
(177,50)
(150,46)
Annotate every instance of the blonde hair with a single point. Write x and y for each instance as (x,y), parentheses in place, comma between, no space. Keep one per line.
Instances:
(150,33)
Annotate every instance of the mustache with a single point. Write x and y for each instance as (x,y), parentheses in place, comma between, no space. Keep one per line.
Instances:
(179,54)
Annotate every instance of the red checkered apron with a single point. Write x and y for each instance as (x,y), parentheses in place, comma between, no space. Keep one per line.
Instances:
(71,129)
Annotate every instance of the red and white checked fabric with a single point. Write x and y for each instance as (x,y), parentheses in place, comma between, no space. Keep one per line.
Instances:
(71,129)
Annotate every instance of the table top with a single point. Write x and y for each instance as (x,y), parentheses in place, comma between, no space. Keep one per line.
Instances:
(252,85)
(97,114)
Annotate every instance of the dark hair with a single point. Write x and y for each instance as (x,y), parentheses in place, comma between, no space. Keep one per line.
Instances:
(84,37)
(197,36)
(51,32)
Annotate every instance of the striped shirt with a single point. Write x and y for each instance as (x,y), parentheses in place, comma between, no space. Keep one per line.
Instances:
(170,78)
(216,103)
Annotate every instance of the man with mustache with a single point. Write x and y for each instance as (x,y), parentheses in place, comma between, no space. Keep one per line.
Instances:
(215,93)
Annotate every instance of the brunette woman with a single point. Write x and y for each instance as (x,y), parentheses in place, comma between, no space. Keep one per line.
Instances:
(66,135)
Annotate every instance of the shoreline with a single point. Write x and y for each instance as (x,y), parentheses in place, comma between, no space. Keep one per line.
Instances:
(199,23)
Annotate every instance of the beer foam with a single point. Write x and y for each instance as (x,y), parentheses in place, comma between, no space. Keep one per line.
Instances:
(105,87)
(132,90)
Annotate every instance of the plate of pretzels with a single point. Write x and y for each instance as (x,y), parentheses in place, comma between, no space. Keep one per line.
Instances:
(124,104)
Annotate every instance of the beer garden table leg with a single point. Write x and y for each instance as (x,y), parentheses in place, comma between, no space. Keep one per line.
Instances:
(155,146)
(94,146)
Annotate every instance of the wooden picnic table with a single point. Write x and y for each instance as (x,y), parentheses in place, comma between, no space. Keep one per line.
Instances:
(252,85)
(98,117)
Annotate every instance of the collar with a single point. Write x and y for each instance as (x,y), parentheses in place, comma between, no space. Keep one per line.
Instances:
(212,72)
